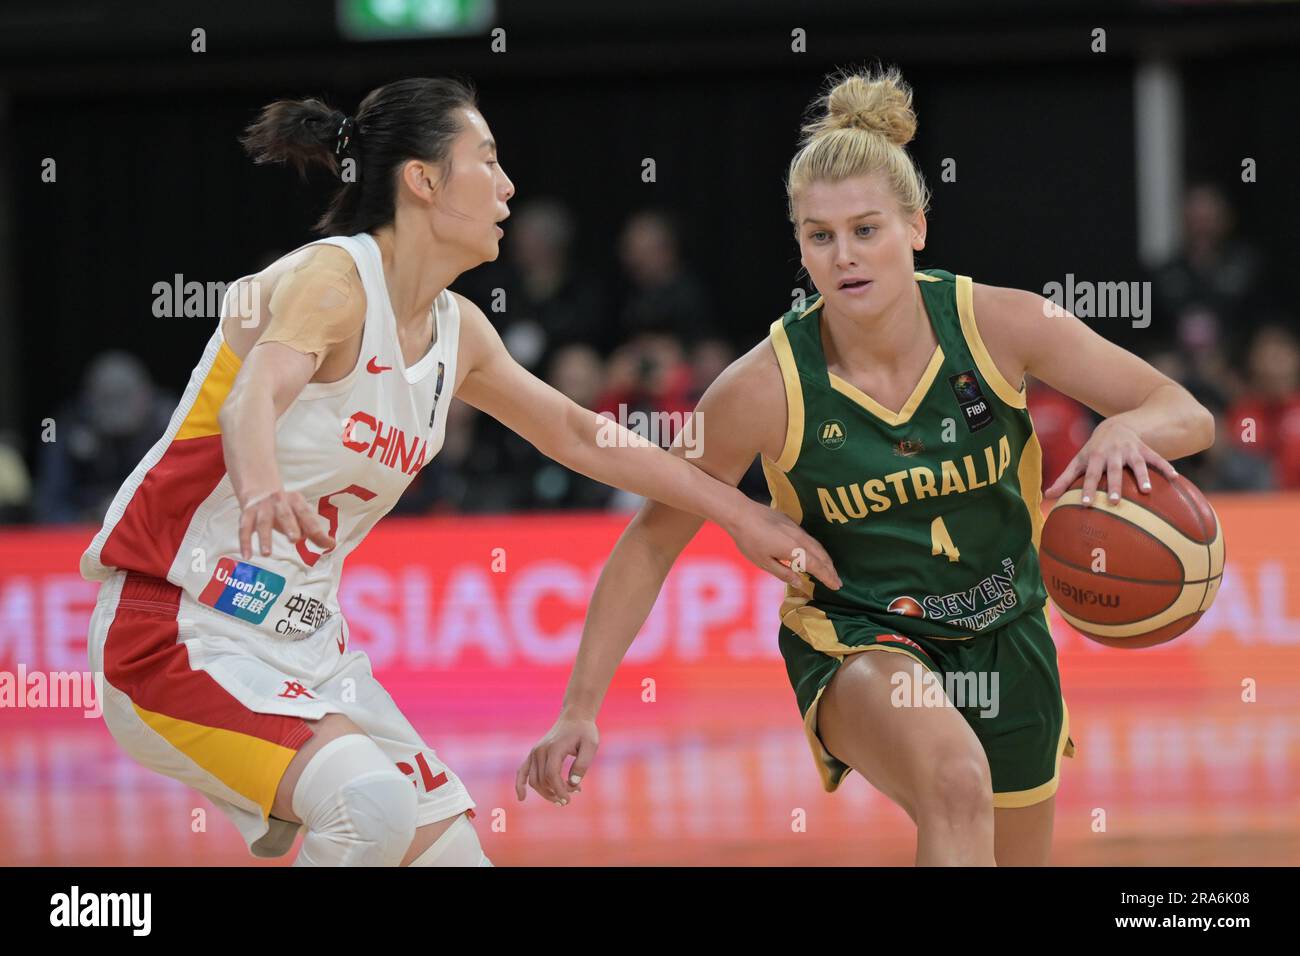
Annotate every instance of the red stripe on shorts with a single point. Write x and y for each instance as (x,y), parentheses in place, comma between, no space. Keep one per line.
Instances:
(143,660)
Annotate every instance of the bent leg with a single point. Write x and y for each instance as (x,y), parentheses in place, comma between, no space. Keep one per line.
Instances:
(924,758)
(1022,836)
(359,809)
(451,842)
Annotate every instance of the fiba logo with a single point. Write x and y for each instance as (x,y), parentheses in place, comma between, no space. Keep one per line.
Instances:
(831,434)
(908,607)
(966,387)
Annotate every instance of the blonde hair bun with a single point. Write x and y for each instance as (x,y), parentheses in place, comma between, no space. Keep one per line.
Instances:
(877,102)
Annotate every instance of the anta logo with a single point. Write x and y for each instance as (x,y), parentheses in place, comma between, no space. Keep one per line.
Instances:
(392,447)
(374,368)
(293,690)
(1084,595)
(831,434)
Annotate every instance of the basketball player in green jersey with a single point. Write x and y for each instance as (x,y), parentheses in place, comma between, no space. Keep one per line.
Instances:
(891,421)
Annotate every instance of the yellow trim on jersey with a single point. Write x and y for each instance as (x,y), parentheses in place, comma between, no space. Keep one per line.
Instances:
(966,310)
(1011,799)
(793,397)
(784,497)
(246,764)
(904,414)
(202,418)
(1030,475)
(1069,741)
(833,771)
(922,277)
(820,301)
(829,766)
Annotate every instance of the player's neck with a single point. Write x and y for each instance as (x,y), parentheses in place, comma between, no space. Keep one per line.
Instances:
(888,338)
(416,270)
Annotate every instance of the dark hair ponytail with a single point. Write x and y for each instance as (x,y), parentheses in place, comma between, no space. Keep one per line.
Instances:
(408,119)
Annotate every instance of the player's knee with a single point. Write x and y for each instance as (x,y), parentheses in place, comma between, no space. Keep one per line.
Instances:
(955,790)
(381,813)
(359,809)
(457,846)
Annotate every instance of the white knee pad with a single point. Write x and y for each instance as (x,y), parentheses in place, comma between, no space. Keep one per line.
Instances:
(359,809)
(457,846)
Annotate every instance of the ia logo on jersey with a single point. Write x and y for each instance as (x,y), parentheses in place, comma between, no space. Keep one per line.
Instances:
(831,434)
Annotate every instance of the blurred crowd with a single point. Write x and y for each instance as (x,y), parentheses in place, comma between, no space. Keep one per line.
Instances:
(653,342)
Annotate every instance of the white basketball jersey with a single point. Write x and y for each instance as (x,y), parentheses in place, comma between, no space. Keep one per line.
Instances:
(349,447)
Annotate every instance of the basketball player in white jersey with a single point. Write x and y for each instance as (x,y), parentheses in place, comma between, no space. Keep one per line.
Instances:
(217,628)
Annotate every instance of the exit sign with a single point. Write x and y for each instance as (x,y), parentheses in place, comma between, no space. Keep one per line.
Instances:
(398,19)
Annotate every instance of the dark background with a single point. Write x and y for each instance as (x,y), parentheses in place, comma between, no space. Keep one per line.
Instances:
(151,180)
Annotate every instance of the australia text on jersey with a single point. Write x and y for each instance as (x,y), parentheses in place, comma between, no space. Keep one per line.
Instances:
(845,502)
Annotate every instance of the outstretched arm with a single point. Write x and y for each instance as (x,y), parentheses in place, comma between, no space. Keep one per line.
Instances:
(742,415)
(1149,417)
(598,448)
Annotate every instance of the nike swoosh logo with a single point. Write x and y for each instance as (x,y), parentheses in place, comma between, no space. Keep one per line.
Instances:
(374,369)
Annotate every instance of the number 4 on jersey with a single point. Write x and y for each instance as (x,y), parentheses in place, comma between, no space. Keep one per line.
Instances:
(941,541)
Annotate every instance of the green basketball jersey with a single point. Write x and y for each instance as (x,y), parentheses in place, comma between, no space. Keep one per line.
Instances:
(931,513)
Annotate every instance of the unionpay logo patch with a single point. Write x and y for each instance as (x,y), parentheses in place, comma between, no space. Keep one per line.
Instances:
(242,590)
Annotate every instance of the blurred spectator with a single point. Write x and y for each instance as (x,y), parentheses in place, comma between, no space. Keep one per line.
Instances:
(549,303)
(468,475)
(1267,416)
(98,439)
(1225,465)
(15,483)
(664,297)
(1202,360)
(709,359)
(648,374)
(1063,427)
(578,372)
(1214,280)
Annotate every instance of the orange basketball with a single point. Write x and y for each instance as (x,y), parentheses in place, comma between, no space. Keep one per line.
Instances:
(1137,572)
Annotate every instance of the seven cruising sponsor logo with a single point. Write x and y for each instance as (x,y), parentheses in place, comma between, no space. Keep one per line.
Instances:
(974,609)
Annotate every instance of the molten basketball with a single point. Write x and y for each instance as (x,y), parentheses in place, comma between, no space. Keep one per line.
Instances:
(1138,572)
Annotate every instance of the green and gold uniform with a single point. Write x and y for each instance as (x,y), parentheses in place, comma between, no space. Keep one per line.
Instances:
(931,515)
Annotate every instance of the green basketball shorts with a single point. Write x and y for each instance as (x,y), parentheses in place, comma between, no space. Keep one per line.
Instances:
(1003,682)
